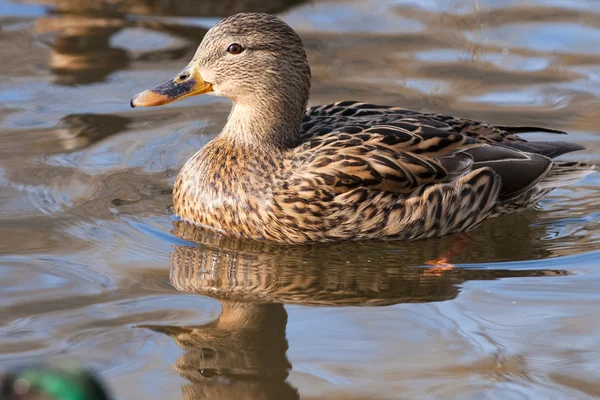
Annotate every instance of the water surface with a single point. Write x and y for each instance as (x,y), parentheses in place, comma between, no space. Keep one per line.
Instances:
(93,266)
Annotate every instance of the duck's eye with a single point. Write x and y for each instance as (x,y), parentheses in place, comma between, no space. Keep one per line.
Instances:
(235,48)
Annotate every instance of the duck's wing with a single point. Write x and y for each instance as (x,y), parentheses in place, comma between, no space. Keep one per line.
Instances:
(402,157)
(383,157)
(342,112)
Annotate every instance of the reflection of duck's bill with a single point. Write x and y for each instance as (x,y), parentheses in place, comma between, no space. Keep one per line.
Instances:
(187,83)
(169,330)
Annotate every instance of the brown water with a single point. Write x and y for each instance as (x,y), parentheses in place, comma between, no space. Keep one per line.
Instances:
(93,266)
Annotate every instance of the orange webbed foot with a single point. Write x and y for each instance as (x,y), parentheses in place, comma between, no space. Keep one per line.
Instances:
(439,266)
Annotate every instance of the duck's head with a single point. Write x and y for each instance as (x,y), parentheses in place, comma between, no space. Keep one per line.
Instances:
(44,382)
(250,58)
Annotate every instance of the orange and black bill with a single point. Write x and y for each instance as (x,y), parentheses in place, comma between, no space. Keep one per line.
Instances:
(187,83)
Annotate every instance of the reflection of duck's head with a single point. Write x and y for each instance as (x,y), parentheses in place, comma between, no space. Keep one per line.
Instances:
(56,382)
(240,355)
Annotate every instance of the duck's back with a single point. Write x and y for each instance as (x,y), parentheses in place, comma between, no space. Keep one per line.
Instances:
(319,119)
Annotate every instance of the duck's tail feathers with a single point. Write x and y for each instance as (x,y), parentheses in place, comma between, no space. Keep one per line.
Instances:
(548,149)
(565,173)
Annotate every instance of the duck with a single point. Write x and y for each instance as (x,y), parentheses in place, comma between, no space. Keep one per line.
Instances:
(283,172)
(52,381)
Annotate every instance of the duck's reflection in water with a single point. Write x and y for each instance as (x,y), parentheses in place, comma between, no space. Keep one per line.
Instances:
(82,52)
(242,354)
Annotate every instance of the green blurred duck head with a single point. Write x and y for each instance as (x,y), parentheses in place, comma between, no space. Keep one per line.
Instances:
(51,382)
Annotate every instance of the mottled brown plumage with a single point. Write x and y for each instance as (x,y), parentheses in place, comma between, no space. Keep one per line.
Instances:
(343,171)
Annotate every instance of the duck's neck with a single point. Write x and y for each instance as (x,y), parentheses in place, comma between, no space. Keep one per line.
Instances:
(269,123)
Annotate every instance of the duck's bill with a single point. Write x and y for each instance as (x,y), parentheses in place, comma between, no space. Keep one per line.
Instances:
(173,90)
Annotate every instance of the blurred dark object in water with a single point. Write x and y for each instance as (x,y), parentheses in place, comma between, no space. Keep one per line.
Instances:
(65,381)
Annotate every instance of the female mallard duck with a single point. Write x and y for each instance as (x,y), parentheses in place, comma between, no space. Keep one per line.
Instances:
(343,171)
